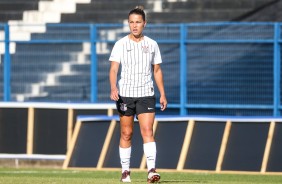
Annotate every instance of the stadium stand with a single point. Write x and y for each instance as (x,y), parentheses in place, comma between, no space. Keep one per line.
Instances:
(165,11)
(99,11)
(62,64)
(265,13)
(203,11)
(13,9)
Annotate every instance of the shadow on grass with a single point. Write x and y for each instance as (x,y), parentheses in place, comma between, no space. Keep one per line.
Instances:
(176,181)
(182,181)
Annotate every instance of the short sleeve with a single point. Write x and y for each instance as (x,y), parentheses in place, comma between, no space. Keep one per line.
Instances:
(157,55)
(116,53)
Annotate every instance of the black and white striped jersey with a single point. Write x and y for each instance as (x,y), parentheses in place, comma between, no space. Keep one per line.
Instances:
(136,60)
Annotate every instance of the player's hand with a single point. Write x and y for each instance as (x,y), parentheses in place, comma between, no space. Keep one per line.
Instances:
(163,103)
(114,94)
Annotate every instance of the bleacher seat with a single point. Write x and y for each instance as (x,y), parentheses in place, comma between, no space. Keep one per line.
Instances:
(99,11)
(13,9)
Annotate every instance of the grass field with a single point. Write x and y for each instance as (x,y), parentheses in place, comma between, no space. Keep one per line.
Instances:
(57,176)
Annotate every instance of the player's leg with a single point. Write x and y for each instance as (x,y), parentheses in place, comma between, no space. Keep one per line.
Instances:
(145,108)
(126,109)
(146,121)
(126,131)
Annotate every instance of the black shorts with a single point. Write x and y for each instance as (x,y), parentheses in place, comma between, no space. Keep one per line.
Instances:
(129,106)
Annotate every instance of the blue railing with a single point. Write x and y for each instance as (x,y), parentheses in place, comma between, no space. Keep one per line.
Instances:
(219,68)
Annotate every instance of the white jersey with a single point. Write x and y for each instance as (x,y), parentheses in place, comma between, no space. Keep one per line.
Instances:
(136,59)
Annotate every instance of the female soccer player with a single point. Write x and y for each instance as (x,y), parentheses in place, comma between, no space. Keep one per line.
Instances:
(140,58)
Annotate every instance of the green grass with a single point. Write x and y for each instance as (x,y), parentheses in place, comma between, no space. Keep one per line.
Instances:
(57,176)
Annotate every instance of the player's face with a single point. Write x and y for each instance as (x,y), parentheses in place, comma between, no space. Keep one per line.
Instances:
(136,24)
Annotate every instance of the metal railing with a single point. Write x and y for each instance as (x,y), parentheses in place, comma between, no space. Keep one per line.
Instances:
(224,68)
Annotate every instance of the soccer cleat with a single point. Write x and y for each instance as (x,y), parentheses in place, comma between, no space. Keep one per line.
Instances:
(153,176)
(125,177)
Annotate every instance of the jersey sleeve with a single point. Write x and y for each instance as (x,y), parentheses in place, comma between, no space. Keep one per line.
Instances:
(116,53)
(157,55)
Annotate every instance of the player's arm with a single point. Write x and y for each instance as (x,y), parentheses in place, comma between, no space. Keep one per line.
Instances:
(113,80)
(158,75)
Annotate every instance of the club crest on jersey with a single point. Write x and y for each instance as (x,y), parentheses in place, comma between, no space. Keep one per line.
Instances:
(123,107)
(145,49)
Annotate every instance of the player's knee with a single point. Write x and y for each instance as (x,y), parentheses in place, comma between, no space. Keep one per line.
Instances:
(147,130)
(147,133)
(126,135)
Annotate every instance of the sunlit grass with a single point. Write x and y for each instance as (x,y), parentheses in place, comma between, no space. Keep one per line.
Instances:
(57,176)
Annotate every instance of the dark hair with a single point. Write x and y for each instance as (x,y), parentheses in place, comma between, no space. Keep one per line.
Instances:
(139,11)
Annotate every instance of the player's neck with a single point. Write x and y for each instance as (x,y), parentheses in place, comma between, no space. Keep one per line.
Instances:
(136,38)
